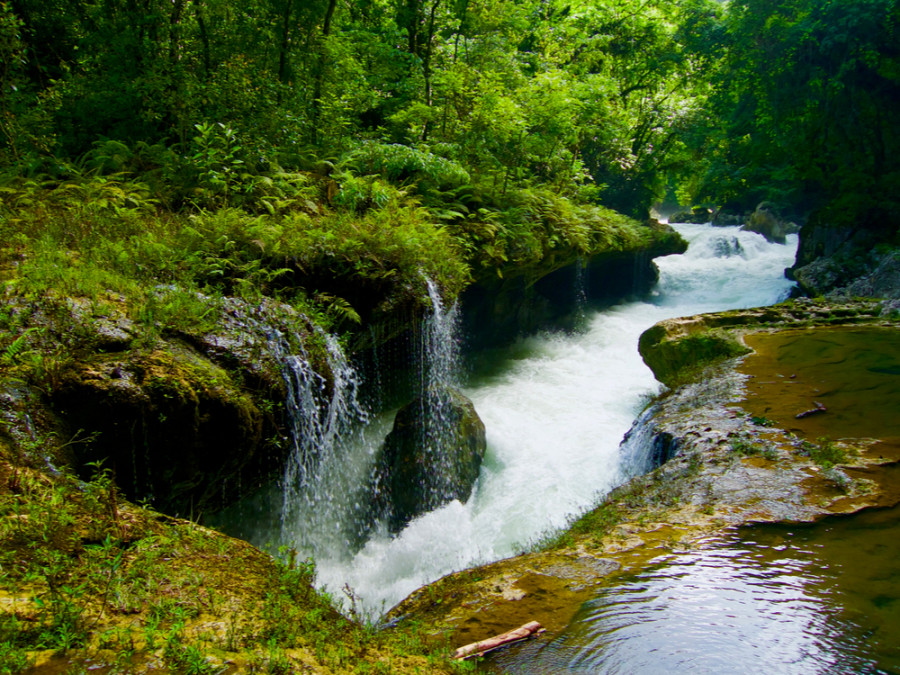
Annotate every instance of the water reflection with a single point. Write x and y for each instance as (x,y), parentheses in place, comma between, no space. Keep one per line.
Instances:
(775,599)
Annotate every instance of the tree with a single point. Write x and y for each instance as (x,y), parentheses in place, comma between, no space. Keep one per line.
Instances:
(805,94)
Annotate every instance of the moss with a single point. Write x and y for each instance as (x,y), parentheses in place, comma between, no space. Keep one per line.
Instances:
(97,580)
(673,359)
(677,349)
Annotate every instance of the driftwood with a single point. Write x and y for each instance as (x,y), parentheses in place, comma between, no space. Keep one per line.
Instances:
(812,411)
(484,646)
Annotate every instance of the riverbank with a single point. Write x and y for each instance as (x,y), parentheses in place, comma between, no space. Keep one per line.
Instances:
(126,364)
(727,465)
(163,359)
(163,335)
(92,582)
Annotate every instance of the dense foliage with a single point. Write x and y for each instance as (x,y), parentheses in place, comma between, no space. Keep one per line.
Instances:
(212,102)
(92,579)
(156,155)
(586,97)
(802,106)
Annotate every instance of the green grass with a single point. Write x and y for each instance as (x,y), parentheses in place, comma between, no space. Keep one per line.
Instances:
(96,578)
(824,452)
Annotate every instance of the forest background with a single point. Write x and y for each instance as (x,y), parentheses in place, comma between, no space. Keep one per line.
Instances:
(491,129)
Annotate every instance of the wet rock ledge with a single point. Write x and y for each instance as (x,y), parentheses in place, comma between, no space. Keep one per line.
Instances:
(726,467)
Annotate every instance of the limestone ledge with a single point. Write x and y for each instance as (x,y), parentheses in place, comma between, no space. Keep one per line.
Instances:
(707,487)
(675,349)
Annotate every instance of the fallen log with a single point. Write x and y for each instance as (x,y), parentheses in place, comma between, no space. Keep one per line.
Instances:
(812,411)
(481,647)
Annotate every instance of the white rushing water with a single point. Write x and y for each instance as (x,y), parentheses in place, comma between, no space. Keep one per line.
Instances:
(555,413)
(320,501)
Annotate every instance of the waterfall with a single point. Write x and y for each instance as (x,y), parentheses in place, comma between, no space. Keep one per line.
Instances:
(322,511)
(439,361)
(581,300)
(439,372)
(325,509)
(555,406)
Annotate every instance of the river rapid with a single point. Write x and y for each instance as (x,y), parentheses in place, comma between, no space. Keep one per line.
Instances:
(556,407)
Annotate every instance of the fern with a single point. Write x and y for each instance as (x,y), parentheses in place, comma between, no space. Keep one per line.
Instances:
(17,349)
(338,308)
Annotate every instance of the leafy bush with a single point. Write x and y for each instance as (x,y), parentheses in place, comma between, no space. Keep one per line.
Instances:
(400,163)
(824,452)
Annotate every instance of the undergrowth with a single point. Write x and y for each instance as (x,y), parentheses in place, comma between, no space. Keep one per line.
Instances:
(89,576)
(824,452)
(383,218)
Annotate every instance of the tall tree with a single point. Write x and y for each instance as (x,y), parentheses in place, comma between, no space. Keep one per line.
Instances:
(806,92)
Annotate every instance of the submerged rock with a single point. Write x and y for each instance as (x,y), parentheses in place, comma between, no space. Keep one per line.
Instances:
(431,456)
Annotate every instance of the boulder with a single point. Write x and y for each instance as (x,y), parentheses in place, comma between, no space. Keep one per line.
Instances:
(186,413)
(173,427)
(883,281)
(675,348)
(698,215)
(431,456)
(841,259)
(725,218)
(767,221)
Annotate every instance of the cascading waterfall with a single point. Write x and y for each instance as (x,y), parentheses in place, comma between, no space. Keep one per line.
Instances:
(322,511)
(440,342)
(555,412)
(555,406)
(581,299)
(325,508)
(439,371)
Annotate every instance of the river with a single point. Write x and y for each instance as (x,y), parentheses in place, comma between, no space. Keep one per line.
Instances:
(556,406)
(783,598)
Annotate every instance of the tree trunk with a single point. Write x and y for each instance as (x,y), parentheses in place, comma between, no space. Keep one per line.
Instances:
(320,70)
(426,64)
(204,38)
(410,17)
(174,30)
(528,630)
(285,41)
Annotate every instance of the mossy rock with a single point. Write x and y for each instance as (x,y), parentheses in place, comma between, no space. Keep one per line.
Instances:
(699,215)
(426,463)
(671,356)
(173,426)
(675,348)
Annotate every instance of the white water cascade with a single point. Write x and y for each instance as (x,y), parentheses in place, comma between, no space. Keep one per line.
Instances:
(439,371)
(322,507)
(325,510)
(556,408)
